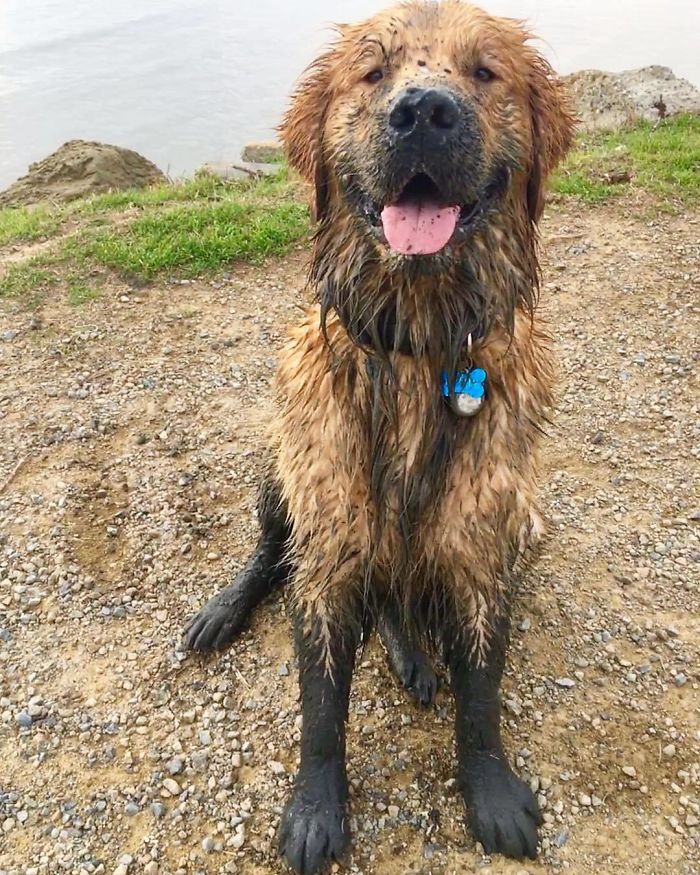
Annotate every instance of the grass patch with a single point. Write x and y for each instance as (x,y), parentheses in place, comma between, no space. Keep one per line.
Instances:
(28,279)
(196,238)
(189,228)
(203,187)
(28,223)
(81,292)
(663,160)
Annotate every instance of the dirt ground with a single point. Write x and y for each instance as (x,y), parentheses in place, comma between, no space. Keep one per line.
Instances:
(131,436)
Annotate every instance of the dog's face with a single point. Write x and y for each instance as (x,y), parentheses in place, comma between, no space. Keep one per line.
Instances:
(420,123)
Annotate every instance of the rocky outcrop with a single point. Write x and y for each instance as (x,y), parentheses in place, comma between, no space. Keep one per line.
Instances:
(612,100)
(80,168)
(265,152)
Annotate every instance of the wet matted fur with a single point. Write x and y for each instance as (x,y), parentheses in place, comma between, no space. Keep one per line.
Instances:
(381,502)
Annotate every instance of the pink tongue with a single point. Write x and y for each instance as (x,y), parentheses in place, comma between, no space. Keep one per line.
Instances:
(419,227)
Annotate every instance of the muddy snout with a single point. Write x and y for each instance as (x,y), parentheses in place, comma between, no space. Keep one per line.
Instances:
(434,130)
(423,117)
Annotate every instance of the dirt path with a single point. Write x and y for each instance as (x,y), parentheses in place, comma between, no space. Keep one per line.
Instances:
(138,422)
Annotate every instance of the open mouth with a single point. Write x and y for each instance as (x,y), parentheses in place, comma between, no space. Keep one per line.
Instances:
(421,221)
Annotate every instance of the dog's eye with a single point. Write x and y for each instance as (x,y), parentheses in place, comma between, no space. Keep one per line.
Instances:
(374,76)
(483,74)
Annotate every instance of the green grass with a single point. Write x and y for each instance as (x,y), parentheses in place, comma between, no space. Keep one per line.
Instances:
(80,291)
(28,223)
(194,239)
(188,228)
(663,160)
(203,187)
(27,279)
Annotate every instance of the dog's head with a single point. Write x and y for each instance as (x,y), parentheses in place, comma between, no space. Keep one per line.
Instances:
(422,119)
(422,131)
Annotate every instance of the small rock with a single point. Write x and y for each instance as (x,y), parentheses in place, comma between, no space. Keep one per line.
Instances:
(23,719)
(171,787)
(131,809)
(175,766)
(669,750)
(158,809)
(276,768)
(630,771)
(561,838)
(567,683)
(200,761)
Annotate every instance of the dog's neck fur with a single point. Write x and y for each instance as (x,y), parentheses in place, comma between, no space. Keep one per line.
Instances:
(390,306)
(430,313)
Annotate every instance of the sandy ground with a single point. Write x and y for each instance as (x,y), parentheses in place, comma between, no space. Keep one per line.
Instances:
(130,443)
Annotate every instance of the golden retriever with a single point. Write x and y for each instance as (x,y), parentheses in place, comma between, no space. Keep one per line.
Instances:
(402,480)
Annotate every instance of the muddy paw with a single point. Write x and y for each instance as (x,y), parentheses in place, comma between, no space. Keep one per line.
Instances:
(312,834)
(217,624)
(417,677)
(502,811)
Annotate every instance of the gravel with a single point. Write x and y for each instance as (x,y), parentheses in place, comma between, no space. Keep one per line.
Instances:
(132,435)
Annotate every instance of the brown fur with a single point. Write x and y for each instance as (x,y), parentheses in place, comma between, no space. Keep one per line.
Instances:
(385,487)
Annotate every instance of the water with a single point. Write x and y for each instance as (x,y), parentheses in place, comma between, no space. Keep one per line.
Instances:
(189,81)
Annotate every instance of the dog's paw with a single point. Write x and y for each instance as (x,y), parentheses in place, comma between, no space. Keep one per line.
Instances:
(312,833)
(217,624)
(417,676)
(501,810)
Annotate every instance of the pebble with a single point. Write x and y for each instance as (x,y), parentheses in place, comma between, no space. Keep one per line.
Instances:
(158,809)
(171,786)
(276,767)
(131,809)
(175,765)
(200,761)
(24,720)
(630,771)
(567,683)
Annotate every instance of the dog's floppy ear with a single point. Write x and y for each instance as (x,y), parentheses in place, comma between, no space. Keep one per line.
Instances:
(553,127)
(301,130)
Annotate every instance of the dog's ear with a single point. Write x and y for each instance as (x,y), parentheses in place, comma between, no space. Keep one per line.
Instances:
(301,130)
(553,127)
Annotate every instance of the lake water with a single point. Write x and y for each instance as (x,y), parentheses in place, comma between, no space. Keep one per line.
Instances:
(189,81)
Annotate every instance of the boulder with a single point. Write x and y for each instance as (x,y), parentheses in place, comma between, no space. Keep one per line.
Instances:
(612,100)
(80,168)
(265,152)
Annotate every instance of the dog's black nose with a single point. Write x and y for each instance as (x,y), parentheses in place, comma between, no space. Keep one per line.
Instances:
(423,111)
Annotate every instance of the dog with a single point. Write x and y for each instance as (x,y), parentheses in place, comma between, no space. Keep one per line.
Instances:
(401,487)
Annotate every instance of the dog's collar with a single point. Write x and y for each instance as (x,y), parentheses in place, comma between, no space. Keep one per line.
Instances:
(385,333)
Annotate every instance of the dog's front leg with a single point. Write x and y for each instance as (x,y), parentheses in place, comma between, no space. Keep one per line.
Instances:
(502,811)
(314,828)
(225,615)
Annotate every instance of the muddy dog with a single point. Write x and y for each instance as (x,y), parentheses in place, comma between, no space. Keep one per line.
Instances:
(402,485)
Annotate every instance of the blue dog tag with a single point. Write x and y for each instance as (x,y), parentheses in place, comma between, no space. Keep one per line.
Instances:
(469,392)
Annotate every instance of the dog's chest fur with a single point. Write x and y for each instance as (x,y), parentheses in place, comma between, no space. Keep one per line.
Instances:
(371,492)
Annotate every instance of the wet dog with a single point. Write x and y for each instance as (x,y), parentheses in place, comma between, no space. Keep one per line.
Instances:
(402,483)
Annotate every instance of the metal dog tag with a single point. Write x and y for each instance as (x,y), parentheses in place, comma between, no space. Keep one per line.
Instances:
(467,396)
